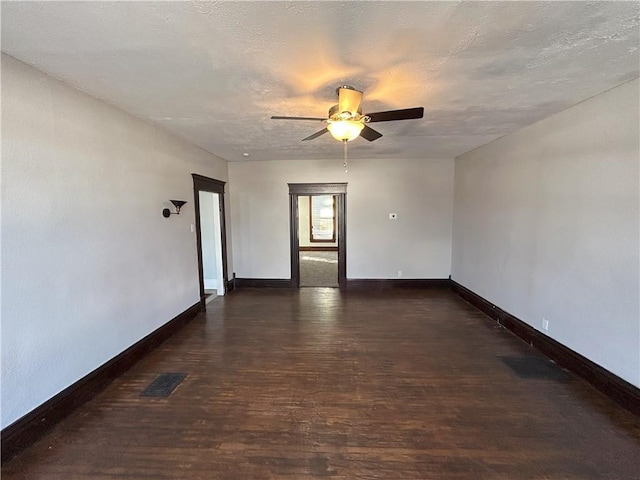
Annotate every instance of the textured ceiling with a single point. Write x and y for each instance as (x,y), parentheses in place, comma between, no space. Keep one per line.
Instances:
(214,72)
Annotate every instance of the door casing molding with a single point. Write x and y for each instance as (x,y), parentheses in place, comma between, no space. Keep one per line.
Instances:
(310,189)
(206,184)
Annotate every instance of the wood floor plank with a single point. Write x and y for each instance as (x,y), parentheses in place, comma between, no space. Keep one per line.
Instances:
(301,384)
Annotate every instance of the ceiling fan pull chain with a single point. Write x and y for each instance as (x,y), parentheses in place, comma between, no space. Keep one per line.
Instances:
(344,142)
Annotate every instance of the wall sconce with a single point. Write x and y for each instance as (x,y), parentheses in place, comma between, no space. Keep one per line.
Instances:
(176,203)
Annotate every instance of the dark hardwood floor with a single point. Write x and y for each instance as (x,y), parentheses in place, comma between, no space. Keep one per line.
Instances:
(285,384)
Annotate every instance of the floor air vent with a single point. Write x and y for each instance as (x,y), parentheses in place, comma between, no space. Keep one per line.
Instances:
(535,368)
(163,385)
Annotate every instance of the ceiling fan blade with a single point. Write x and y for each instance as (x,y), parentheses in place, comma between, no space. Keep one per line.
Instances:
(276,117)
(404,114)
(370,134)
(316,135)
(349,99)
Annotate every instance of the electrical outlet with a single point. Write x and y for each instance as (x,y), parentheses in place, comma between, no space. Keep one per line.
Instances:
(545,324)
(399,273)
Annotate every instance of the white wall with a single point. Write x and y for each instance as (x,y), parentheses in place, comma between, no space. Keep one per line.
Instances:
(546,224)
(208,236)
(418,242)
(304,229)
(210,232)
(89,264)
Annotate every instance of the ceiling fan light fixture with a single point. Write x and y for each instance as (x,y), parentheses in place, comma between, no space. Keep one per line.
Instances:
(346,121)
(344,129)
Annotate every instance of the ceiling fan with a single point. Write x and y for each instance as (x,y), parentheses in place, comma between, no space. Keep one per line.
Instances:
(346,121)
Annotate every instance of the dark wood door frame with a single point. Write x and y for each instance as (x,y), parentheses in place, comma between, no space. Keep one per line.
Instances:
(206,184)
(310,189)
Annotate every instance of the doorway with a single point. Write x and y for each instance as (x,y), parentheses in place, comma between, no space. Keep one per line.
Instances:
(210,237)
(328,250)
(318,240)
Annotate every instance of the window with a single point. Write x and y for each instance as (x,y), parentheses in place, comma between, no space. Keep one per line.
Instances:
(322,217)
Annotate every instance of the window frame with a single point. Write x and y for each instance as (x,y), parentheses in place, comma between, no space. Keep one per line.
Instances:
(334,201)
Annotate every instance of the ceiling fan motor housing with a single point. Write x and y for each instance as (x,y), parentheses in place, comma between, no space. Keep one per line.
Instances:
(336,115)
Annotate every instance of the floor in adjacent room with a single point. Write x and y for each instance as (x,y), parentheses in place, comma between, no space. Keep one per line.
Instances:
(318,269)
(300,384)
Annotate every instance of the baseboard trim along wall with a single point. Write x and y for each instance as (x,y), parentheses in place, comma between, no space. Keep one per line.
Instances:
(318,249)
(619,390)
(352,283)
(263,283)
(26,430)
(385,284)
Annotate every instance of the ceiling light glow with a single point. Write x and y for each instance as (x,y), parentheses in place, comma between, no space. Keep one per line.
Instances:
(345,130)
